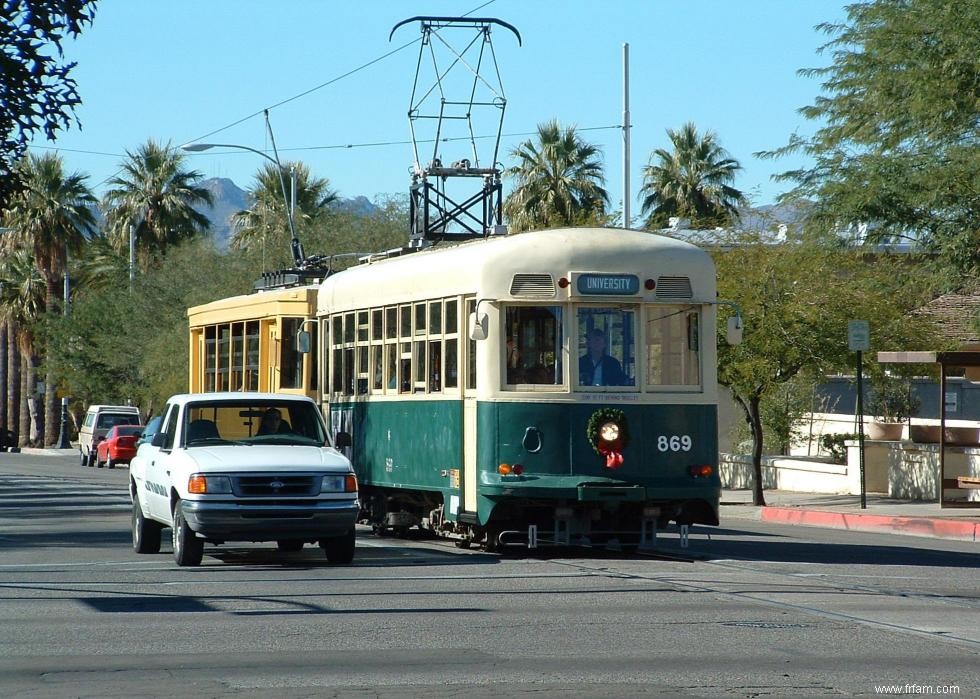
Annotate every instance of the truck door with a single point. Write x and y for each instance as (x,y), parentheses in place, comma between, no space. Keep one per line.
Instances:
(158,468)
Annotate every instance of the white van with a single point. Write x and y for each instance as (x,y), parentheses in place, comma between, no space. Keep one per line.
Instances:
(98,421)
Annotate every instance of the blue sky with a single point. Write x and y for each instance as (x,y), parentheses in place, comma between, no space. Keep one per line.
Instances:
(181,70)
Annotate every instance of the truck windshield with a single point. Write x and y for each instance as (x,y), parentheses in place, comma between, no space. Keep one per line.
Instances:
(253,422)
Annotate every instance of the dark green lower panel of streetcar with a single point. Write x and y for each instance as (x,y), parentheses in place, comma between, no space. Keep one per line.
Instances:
(415,448)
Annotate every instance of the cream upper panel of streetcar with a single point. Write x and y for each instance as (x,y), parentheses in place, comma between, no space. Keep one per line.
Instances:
(291,301)
(486,267)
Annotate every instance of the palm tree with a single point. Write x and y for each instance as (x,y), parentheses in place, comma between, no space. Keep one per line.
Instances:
(693,181)
(100,266)
(265,222)
(559,181)
(156,194)
(51,215)
(22,291)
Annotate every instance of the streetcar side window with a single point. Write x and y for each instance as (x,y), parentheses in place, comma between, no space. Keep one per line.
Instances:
(470,349)
(532,346)
(673,346)
(210,359)
(290,359)
(606,346)
(411,348)
(252,355)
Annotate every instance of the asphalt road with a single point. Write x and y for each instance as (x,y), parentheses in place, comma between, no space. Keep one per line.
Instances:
(762,610)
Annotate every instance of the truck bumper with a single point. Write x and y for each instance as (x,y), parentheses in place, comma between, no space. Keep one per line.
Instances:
(230,521)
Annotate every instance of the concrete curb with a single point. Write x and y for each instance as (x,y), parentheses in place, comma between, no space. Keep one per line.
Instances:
(960,530)
(70,451)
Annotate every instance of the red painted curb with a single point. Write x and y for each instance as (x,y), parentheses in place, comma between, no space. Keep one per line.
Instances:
(962,530)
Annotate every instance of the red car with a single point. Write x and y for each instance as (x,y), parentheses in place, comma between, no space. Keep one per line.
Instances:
(119,446)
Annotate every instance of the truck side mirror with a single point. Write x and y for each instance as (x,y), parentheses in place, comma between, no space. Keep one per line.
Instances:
(342,440)
(157,440)
(478,326)
(303,342)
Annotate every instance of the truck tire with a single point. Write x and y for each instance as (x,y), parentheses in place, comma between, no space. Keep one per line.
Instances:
(339,549)
(188,549)
(146,532)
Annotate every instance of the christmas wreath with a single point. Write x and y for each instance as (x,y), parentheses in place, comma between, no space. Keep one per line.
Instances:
(608,433)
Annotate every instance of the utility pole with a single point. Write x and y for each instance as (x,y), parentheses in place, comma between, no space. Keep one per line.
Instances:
(132,255)
(626,136)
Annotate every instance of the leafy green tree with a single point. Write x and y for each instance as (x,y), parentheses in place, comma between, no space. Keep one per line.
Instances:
(691,181)
(344,235)
(897,151)
(118,346)
(22,290)
(796,299)
(37,92)
(52,215)
(265,222)
(156,194)
(559,181)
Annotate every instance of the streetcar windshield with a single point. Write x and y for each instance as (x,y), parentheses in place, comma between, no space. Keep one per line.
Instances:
(533,346)
(606,346)
(673,346)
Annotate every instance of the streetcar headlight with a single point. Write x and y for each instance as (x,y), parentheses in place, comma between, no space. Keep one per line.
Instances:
(200,484)
(609,432)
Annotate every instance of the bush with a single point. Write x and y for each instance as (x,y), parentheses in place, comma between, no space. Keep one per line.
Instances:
(834,443)
(892,400)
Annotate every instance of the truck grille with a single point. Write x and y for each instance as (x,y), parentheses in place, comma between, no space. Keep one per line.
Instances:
(276,485)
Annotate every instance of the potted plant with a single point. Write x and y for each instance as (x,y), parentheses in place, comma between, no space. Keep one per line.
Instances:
(891,405)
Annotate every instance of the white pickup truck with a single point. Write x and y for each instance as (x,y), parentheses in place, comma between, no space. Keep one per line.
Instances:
(243,467)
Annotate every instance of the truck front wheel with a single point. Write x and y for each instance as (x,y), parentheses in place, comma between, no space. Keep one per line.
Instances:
(188,549)
(339,549)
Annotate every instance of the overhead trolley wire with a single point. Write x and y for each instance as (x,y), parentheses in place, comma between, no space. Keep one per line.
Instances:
(327,83)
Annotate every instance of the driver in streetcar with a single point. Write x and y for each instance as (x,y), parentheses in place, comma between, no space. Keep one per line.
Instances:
(596,367)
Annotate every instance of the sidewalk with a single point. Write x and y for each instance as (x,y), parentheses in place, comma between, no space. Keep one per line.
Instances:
(883,515)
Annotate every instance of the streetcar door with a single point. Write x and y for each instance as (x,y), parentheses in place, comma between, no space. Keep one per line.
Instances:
(468,482)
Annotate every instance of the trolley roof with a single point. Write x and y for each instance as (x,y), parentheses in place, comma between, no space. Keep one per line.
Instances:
(487,268)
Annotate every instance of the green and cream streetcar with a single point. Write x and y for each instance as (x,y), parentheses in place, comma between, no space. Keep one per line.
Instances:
(550,387)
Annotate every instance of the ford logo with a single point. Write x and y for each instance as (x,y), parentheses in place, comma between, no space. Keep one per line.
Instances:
(276,485)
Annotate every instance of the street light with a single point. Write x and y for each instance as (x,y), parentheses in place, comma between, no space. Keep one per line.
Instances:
(289,200)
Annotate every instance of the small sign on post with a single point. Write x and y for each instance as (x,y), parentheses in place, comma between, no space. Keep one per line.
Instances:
(858,336)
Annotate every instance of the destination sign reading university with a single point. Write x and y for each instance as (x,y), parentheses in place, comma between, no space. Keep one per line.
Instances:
(608,284)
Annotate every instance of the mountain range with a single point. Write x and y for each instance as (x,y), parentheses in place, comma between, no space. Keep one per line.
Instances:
(229,199)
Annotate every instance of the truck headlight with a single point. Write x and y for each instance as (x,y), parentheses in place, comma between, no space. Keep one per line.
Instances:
(200,484)
(338,483)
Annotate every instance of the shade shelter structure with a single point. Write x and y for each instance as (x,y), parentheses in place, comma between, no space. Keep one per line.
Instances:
(946,361)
